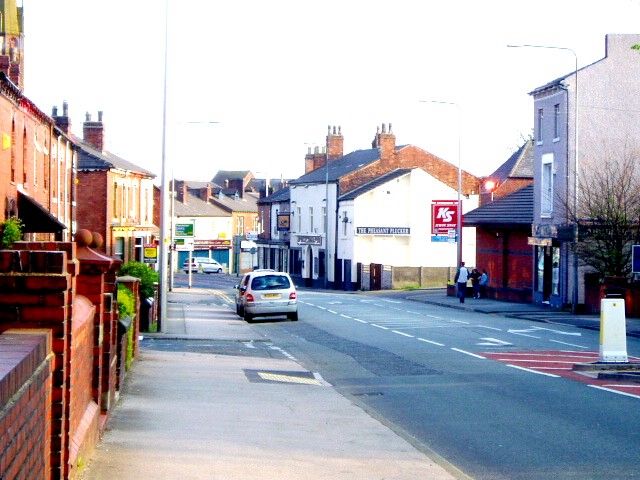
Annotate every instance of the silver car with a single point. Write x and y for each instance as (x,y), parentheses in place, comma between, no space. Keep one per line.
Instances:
(266,293)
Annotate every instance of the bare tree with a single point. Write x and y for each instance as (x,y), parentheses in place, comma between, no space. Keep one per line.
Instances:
(608,215)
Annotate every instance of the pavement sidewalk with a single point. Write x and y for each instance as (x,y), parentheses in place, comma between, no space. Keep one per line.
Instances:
(189,415)
(528,311)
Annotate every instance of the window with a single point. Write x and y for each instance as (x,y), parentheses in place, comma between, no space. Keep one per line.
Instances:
(118,248)
(311,219)
(539,125)
(540,268)
(556,121)
(240,225)
(138,249)
(555,272)
(546,200)
(324,219)
(24,157)
(115,200)
(13,150)
(299,219)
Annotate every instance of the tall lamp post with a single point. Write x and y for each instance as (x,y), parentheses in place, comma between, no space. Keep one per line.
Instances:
(459,209)
(164,204)
(575,162)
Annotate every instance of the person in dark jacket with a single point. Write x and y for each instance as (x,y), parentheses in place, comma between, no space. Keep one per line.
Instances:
(475,282)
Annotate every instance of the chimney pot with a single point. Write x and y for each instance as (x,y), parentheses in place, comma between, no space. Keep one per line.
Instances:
(99,115)
(65,108)
(54,112)
(384,128)
(87,117)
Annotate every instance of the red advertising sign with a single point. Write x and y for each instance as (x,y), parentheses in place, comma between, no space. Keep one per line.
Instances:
(444,216)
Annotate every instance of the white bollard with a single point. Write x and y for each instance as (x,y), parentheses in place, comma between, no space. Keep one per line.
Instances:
(613,331)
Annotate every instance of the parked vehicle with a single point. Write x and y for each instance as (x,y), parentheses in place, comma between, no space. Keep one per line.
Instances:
(266,293)
(203,265)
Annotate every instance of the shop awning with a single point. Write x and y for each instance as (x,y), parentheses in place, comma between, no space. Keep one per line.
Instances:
(36,219)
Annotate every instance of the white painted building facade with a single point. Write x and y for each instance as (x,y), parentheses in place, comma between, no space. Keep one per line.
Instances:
(391,224)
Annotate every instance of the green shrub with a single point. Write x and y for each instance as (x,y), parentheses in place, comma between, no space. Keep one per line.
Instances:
(148,276)
(126,302)
(10,231)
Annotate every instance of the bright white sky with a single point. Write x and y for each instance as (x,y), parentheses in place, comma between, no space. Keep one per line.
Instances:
(276,73)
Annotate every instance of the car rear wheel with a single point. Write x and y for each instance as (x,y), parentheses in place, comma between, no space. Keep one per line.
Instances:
(248,317)
(293,316)
(219,270)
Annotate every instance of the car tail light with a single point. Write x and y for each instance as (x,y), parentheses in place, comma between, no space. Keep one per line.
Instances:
(292,296)
(249,297)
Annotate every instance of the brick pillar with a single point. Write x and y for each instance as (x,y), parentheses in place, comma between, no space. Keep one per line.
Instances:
(37,292)
(96,282)
(133,284)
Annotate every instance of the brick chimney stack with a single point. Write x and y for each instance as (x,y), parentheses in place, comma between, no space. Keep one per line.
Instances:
(315,159)
(335,143)
(181,191)
(384,142)
(93,132)
(62,121)
(205,192)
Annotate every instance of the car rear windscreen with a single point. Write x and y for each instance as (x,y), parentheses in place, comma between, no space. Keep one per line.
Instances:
(270,282)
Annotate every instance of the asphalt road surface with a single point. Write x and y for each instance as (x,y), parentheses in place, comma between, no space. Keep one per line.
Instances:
(494,396)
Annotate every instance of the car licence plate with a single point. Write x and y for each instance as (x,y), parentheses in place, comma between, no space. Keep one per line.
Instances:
(271,295)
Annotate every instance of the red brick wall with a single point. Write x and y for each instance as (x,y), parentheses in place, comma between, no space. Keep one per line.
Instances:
(39,297)
(25,404)
(508,259)
(264,213)
(94,201)
(83,412)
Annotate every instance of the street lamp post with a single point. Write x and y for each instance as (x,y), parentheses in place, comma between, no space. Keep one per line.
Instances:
(575,162)
(459,209)
(164,254)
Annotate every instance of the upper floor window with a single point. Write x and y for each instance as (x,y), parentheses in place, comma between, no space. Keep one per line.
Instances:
(310,219)
(240,225)
(324,219)
(546,200)
(13,150)
(539,125)
(299,219)
(556,121)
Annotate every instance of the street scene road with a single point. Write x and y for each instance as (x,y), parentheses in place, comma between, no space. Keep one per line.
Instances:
(480,396)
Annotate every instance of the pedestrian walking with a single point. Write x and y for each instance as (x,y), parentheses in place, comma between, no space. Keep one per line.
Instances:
(475,282)
(484,281)
(461,278)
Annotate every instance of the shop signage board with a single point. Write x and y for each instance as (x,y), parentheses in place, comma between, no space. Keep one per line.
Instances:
(444,220)
(150,253)
(184,230)
(383,231)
